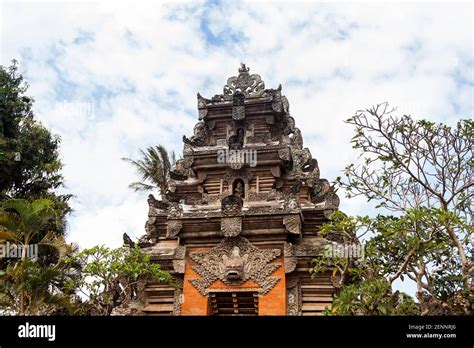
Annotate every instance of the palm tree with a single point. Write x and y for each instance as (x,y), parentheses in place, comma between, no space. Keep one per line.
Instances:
(153,168)
(23,223)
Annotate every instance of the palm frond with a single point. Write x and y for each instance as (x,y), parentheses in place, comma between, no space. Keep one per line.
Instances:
(140,186)
(153,168)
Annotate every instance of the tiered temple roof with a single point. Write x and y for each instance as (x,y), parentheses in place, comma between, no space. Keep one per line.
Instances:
(244,206)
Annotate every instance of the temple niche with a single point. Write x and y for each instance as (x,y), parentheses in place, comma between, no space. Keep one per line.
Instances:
(239,237)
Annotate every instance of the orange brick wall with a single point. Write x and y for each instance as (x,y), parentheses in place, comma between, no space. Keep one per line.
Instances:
(273,303)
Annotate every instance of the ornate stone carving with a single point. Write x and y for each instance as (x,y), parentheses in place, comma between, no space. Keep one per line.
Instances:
(246,116)
(248,85)
(288,125)
(200,137)
(322,191)
(245,174)
(291,198)
(150,228)
(183,168)
(173,227)
(257,196)
(215,198)
(292,223)
(178,296)
(286,105)
(293,296)
(231,205)
(297,139)
(276,103)
(179,259)
(231,226)
(290,259)
(187,150)
(259,139)
(284,154)
(332,200)
(202,102)
(300,158)
(234,261)
(175,210)
(312,173)
(202,113)
(238,110)
(147,240)
(202,106)
(154,203)
(155,208)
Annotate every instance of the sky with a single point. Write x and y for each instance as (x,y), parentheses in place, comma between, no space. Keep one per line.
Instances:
(111,77)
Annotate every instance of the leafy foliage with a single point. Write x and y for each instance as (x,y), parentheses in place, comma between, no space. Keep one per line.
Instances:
(111,277)
(373,297)
(421,175)
(30,286)
(30,166)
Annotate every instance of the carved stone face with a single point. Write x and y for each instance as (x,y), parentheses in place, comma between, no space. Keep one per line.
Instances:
(234,265)
(231,205)
(200,130)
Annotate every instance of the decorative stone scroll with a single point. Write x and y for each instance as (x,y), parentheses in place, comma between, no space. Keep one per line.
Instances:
(173,227)
(284,154)
(238,110)
(178,296)
(231,226)
(234,261)
(277,105)
(322,191)
(202,107)
(290,259)
(257,196)
(179,259)
(201,135)
(300,158)
(183,168)
(175,210)
(292,223)
(293,296)
(248,85)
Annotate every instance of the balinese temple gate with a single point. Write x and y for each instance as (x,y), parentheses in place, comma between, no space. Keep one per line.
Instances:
(239,225)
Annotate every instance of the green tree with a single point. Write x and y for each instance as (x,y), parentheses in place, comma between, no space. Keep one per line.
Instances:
(153,168)
(364,274)
(111,277)
(30,286)
(30,165)
(421,175)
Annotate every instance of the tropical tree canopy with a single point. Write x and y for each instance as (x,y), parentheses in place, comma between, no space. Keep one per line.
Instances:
(420,173)
(31,284)
(30,165)
(153,169)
